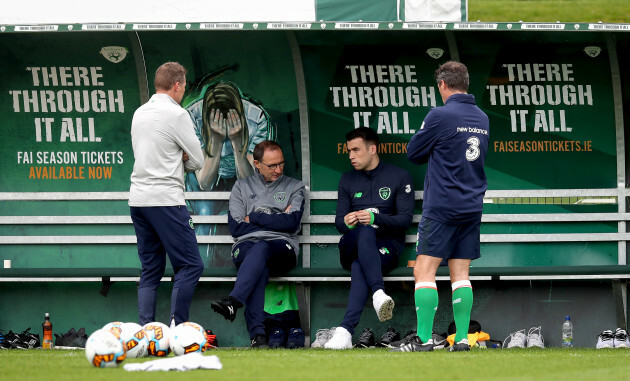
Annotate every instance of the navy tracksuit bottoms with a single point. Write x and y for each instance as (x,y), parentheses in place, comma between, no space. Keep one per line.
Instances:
(368,258)
(162,231)
(256,261)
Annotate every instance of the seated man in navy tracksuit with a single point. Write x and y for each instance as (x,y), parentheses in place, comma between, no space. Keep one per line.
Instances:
(264,219)
(374,209)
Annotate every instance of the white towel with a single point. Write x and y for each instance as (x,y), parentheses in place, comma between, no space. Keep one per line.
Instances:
(182,363)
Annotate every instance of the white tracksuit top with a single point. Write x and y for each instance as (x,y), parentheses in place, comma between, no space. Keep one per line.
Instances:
(160,131)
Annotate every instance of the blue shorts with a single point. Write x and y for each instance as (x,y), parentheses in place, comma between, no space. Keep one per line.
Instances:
(446,241)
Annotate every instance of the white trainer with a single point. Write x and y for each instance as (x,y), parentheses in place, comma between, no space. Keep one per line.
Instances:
(383,304)
(605,339)
(534,338)
(322,336)
(621,339)
(341,339)
(517,340)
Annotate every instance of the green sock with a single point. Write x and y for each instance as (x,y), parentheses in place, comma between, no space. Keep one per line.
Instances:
(462,305)
(426,297)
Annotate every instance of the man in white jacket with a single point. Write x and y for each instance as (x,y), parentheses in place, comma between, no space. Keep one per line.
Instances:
(164,147)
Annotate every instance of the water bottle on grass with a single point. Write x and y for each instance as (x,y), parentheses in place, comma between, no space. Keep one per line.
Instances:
(567,333)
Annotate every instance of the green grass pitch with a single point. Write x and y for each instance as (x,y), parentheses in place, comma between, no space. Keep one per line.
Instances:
(591,11)
(355,364)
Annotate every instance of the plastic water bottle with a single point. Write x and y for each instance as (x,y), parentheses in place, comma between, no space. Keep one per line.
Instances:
(567,333)
(47,343)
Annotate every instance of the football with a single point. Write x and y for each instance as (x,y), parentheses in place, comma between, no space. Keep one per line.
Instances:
(135,339)
(158,337)
(104,349)
(115,325)
(187,338)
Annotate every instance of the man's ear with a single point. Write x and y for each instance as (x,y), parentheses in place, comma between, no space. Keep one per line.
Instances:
(373,149)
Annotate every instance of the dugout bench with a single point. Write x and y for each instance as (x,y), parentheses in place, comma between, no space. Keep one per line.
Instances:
(304,277)
(311,271)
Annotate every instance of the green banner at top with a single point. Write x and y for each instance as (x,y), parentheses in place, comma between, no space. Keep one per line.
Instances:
(67,100)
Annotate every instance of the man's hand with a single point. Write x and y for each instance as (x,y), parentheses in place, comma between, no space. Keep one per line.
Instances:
(246,219)
(184,156)
(351,219)
(288,209)
(364,217)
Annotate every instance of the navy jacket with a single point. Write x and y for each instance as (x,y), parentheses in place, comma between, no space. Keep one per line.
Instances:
(453,140)
(386,190)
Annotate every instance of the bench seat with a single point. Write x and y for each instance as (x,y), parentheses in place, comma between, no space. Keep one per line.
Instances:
(322,274)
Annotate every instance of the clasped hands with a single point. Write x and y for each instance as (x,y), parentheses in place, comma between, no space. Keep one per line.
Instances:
(363,217)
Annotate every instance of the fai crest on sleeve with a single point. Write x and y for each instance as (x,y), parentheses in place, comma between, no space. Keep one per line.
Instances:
(385,192)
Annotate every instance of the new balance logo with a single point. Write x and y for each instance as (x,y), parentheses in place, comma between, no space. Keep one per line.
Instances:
(458,300)
(231,309)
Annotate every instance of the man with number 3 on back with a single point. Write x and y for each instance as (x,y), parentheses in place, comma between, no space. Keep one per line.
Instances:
(453,140)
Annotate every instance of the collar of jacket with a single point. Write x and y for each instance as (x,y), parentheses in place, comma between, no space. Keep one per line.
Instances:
(462,98)
(266,183)
(376,170)
(164,97)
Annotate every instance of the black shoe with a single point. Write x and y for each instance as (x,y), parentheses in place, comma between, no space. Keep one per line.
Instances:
(414,345)
(408,336)
(259,341)
(296,338)
(9,339)
(81,339)
(72,339)
(63,340)
(227,307)
(32,339)
(366,339)
(439,341)
(461,346)
(278,338)
(388,338)
(25,340)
